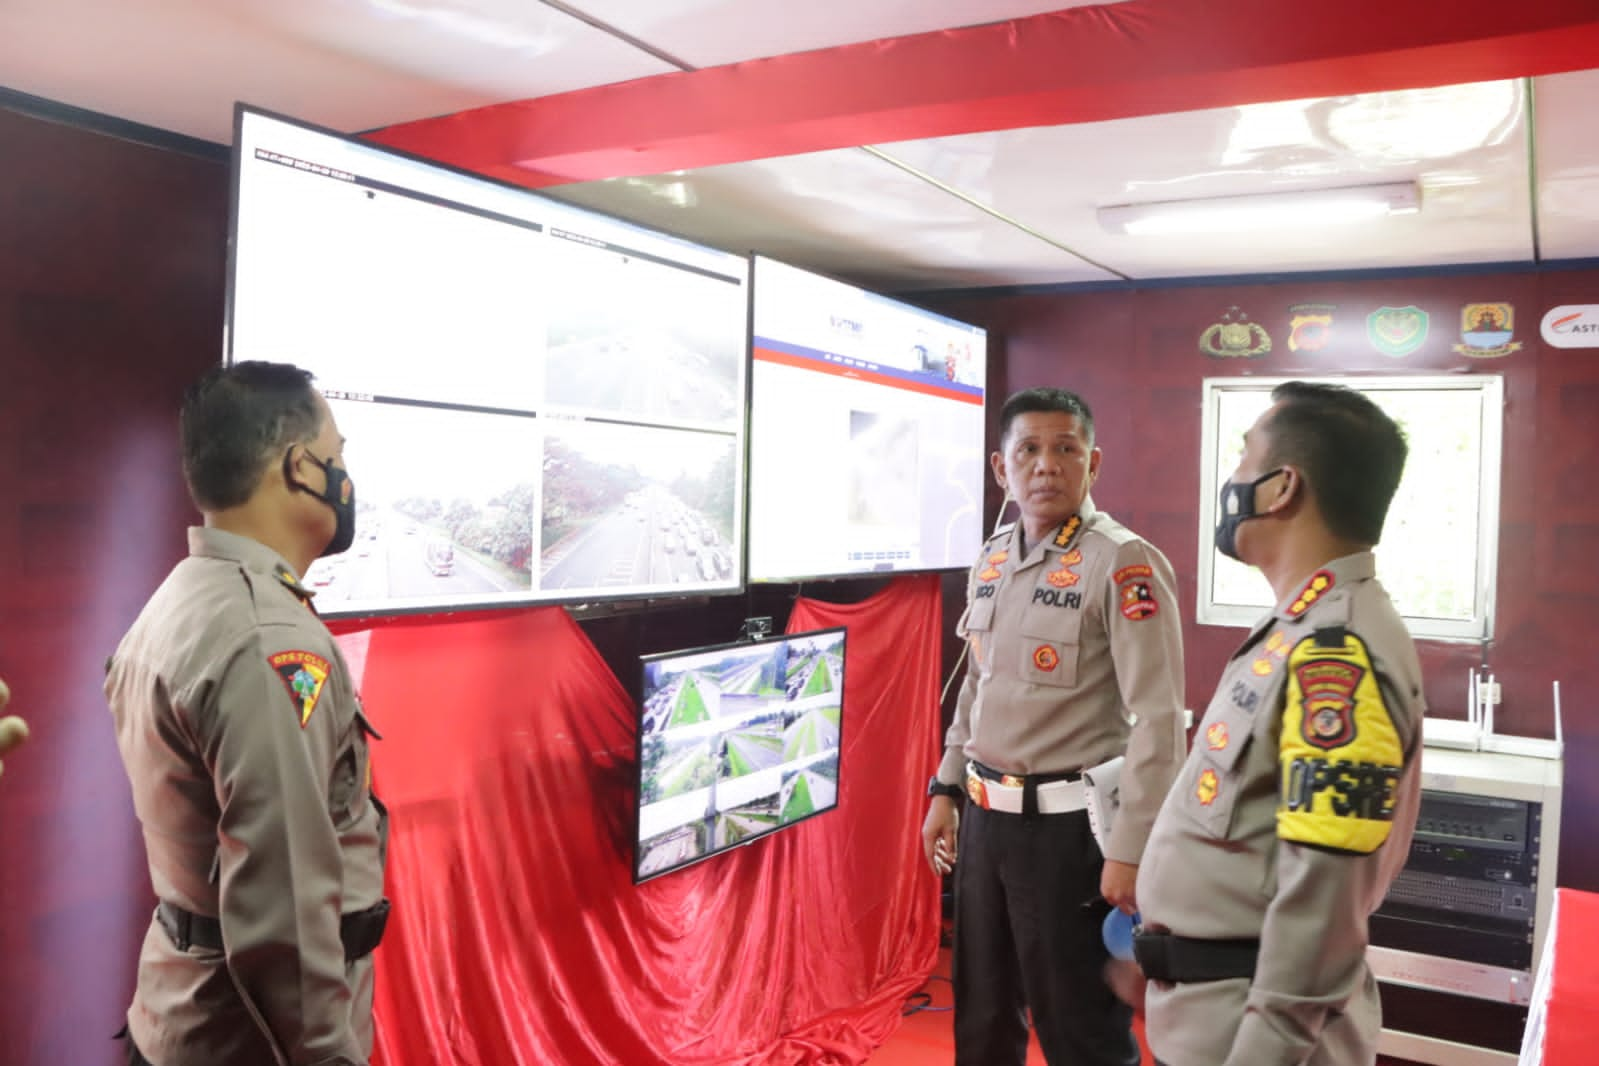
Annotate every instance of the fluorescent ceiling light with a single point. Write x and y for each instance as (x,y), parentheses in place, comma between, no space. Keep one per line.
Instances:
(1273,210)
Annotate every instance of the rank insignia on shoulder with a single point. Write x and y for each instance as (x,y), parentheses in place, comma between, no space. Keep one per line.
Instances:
(1067,531)
(1314,589)
(304,674)
(292,583)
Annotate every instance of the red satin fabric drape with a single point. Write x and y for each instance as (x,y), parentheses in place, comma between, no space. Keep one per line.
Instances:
(518,935)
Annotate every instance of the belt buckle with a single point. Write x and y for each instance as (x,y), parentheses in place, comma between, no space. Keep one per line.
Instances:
(975,789)
(1152,952)
(1012,781)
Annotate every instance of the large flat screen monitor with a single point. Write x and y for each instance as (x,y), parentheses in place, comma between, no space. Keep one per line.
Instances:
(866,432)
(541,403)
(735,742)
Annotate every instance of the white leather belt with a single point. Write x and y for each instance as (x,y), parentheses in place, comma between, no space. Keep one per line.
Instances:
(1054,797)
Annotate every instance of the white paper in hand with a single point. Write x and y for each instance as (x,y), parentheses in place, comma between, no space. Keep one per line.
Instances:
(1102,792)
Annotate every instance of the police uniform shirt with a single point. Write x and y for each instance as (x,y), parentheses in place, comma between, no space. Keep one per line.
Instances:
(1076,657)
(247,752)
(1291,817)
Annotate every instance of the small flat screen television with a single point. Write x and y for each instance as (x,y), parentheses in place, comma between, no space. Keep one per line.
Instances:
(735,742)
(866,432)
(541,403)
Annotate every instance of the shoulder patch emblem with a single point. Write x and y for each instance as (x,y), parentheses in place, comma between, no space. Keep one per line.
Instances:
(1327,691)
(1138,601)
(304,675)
(1340,757)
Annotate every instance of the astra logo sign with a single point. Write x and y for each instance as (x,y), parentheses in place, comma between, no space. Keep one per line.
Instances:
(1572,326)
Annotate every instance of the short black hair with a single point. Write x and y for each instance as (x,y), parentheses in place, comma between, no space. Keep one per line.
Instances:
(1351,452)
(1041,399)
(236,420)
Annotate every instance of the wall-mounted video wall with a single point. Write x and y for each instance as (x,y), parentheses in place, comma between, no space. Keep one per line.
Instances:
(546,404)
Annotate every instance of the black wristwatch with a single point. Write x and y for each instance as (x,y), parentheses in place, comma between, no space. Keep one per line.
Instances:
(935,787)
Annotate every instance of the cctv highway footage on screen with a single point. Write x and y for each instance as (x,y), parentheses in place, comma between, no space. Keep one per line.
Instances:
(735,742)
(866,432)
(540,403)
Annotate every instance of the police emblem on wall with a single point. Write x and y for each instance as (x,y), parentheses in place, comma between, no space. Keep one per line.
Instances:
(1397,331)
(1328,716)
(1485,331)
(1235,337)
(1310,327)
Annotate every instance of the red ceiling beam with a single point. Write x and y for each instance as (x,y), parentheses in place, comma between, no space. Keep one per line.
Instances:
(1085,64)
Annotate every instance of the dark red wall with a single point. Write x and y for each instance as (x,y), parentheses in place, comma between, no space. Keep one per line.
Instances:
(1135,355)
(111,285)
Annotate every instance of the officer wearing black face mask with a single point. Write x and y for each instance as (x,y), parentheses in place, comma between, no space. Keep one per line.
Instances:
(338,492)
(248,751)
(1294,810)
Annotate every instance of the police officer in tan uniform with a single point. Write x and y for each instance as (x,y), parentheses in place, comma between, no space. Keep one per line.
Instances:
(1295,809)
(247,752)
(1076,657)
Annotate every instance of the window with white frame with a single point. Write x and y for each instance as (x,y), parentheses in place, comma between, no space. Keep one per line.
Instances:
(1439,550)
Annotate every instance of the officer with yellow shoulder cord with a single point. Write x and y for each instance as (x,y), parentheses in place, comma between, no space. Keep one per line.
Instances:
(1295,809)
(1075,659)
(247,751)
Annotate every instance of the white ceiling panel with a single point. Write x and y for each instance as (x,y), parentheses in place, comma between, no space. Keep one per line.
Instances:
(1465,147)
(846,213)
(706,33)
(351,64)
(1003,208)
(1568,165)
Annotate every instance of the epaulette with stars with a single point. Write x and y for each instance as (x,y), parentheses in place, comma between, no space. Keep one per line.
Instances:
(1068,529)
(292,583)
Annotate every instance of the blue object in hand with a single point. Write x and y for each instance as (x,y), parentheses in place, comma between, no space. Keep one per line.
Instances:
(1117,933)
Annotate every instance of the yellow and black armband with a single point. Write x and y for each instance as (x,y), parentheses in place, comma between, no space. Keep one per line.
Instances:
(1340,756)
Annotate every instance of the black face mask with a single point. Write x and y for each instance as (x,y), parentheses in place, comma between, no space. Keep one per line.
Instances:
(1237,506)
(339,495)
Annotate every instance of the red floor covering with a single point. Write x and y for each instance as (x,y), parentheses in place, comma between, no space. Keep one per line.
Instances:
(926,1038)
